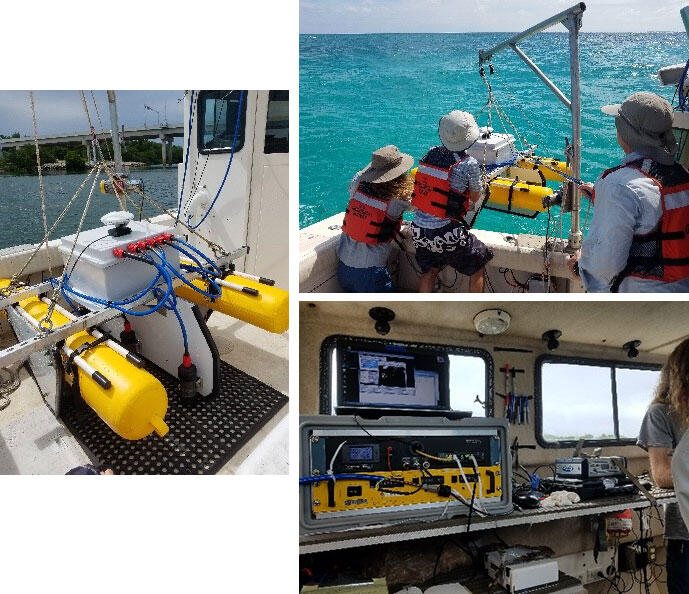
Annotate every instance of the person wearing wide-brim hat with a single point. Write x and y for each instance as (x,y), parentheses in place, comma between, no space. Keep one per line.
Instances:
(378,196)
(447,186)
(637,240)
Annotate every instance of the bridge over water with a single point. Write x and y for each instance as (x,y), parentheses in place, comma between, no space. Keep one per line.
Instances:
(166,135)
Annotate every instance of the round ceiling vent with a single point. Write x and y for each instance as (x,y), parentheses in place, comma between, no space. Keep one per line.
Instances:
(492,321)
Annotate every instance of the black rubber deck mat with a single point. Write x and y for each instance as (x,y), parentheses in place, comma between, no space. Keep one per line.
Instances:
(203,435)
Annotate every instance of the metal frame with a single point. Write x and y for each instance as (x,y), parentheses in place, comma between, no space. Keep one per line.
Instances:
(329,343)
(571,19)
(538,397)
(18,353)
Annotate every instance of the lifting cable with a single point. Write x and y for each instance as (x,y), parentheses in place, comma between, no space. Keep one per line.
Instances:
(41,187)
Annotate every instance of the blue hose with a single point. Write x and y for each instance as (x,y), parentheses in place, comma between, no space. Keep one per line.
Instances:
(172,269)
(118,304)
(200,253)
(229,164)
(171,304)
(305,480)
(199,267)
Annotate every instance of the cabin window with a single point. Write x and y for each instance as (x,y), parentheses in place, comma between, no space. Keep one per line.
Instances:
(277,123)
(408,374)
(217,120)
(601,402)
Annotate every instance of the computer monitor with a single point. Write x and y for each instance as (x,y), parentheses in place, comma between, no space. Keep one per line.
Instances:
(391,376)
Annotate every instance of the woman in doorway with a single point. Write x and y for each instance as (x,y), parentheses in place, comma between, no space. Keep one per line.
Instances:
(661,431)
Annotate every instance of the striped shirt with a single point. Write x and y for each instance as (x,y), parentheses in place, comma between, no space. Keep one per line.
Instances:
(467,175)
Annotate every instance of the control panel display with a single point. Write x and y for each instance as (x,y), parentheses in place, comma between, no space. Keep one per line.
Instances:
(360,454)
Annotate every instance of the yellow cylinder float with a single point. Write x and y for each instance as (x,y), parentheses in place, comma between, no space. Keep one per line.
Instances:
(539,164)
(134,405)
(510,195)
(269,309)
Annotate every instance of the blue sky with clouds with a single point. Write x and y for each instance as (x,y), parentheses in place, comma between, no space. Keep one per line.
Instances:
(409,16)
(62,111)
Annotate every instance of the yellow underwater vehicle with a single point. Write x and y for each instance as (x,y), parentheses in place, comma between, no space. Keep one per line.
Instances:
(113,321)
(523,190)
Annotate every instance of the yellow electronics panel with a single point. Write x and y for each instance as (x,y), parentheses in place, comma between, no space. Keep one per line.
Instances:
(356,471)
(405,488)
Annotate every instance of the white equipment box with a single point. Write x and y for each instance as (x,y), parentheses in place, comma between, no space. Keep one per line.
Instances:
(99,273)
(513,572)
(496,148)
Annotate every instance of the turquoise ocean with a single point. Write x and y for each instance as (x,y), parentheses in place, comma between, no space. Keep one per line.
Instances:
(360,92)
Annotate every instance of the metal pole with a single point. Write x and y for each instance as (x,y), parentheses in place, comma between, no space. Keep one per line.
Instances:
(573,24)
(684,12)
(548,83)
(577,9)
(115,129)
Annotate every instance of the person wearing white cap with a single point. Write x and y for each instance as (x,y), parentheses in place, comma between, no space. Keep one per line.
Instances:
(637,240)
(378,196)
(447,185)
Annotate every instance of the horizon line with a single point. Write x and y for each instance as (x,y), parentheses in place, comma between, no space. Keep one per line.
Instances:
(476,32)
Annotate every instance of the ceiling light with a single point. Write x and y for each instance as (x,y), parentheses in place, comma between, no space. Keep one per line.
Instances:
(492,321)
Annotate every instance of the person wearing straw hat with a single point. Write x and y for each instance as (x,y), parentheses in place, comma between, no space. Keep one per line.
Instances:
(447,186)
(378,196)
(638,240)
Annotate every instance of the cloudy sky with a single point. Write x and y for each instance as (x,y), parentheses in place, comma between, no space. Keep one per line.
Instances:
(62,111)
(408,16)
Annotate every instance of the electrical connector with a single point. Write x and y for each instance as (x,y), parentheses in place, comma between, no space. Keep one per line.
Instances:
(188,376)
(118,252)
(441,490)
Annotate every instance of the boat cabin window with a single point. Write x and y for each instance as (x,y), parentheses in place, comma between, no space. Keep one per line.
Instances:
(277,123)
(359,374)
(217,121)
(601,402)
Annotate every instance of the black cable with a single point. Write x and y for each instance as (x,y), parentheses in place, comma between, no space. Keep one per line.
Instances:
(490,284)
(471,508)
(381,439)
(88,245)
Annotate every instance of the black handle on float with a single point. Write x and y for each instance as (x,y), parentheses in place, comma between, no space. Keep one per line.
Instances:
(135,359)
(101,380)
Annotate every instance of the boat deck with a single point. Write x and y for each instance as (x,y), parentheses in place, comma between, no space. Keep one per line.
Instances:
(33,441)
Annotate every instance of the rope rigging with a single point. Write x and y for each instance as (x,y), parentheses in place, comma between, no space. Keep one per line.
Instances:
(165,299)
(527,153)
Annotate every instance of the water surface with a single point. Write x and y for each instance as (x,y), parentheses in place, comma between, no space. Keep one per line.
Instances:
(359,92)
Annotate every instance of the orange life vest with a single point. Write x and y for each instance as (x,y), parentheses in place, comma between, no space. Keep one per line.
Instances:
(367,219)
(432,192)
(663,253)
